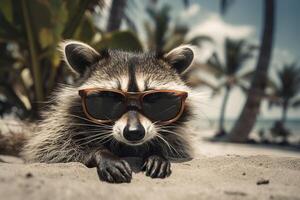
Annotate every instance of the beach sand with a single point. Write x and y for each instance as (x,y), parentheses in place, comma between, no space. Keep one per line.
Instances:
(226,172)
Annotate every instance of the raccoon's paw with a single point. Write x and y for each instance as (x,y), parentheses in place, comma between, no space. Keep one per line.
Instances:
(157,167)
(114,171)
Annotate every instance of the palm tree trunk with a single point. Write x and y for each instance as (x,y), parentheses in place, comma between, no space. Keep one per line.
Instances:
(116,14)
(284,112)
(247,118)
(223,109)
(75,18)
(33,51)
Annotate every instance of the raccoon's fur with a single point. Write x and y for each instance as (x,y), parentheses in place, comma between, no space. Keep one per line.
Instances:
(66,135)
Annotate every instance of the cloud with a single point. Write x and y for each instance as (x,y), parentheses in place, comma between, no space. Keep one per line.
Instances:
(216,28)
(281,57)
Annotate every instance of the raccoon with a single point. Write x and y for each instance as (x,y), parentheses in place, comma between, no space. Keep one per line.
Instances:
(124,105)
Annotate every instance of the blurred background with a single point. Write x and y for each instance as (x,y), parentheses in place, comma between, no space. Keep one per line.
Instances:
(247,68)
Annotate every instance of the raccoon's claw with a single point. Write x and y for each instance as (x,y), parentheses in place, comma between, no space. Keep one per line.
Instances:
(114,171)
(157,167)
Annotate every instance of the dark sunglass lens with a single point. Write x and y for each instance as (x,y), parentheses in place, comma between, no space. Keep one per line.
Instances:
(161,106)
(105,105)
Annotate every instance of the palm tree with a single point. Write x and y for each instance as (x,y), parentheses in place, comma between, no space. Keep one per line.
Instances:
(247,118)
(287,89)
(237,52)
(158,30)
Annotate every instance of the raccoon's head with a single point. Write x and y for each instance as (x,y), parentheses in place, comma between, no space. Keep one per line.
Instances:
(123,89)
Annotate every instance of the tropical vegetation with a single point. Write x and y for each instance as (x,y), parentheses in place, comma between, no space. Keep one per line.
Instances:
(31,67)
(286,89)
(230,73)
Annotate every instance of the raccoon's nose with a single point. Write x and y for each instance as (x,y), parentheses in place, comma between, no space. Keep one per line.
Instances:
(135,133)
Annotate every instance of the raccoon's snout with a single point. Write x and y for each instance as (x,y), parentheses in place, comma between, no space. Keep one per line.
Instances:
(134,130)
(134,134)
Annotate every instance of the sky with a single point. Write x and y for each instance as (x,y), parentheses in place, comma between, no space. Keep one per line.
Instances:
(243,19)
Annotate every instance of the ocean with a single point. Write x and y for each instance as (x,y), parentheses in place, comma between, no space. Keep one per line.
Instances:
(261,124)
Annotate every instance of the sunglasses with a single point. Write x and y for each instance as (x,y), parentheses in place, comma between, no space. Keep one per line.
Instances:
(106,106)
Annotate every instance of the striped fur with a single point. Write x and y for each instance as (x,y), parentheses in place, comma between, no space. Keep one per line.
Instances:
(64,132)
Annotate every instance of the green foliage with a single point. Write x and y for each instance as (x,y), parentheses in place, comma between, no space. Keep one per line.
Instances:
(30,32)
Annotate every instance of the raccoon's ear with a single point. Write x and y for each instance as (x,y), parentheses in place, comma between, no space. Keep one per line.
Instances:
(79,56)
(180,58)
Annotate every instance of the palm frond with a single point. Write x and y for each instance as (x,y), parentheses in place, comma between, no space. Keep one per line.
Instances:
(161,19)
(116,15)
(214,66)
(289,78)
(247,75)
(237,52)
(130,23)
(199,39)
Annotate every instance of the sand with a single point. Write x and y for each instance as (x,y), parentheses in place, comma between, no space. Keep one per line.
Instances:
(217,176)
